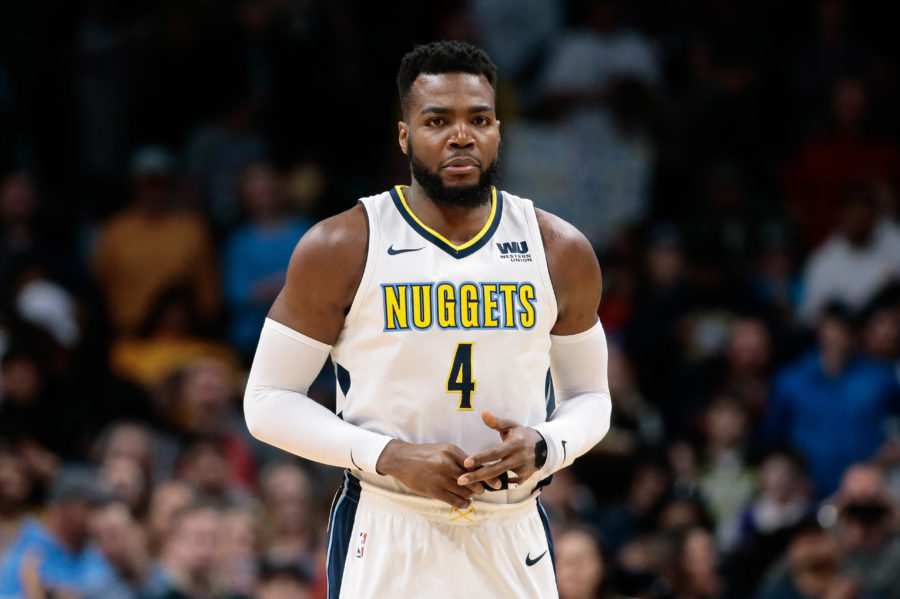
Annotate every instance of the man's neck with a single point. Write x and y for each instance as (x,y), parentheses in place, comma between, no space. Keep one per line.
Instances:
(458,224)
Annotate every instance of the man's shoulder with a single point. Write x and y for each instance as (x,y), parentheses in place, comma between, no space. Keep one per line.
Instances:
(560,236)
(345,230)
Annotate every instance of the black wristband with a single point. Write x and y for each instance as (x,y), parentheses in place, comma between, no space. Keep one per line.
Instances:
(540,452)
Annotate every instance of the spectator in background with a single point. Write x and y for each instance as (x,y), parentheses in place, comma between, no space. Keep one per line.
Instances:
(188,564)
(172,338)
(783,501)
(240,549)
(204,410)
(590,157)
(826,165)
(27,234)
(289,531)
(570,502)
(832,393)
(680,510)
(775,280)
(18,234)
(47,305)
(124,545)
(624,519)
(256,254)
(166,501)
(15,488)
(881,326)
(204,465)
(580,565)
(642,567)
(867,530)
(127,482)
(812,570)
(32,413)
(857,261)
(652,337)
(529,26)
(833,50)
(636,427)
(727,218)
(136,442)
(153,246)
(726,478)
(283,580)
(219,150)
(748,363)
(694,565)
(60,550)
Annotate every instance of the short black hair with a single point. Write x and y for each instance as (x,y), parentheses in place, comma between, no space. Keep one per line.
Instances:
(443,57)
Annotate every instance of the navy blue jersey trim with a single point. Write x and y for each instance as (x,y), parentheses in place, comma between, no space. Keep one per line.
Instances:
(549,395)
(340,530)
(428,236)
(546,522)
(343,378)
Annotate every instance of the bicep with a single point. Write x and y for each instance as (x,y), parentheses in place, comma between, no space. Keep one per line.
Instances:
(322,278)
(579,301)
(575,274)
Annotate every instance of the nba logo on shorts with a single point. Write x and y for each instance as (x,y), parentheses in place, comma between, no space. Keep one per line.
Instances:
(361,550)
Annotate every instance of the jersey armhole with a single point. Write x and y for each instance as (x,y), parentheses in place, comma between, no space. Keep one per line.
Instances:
(541,256)
(371,256)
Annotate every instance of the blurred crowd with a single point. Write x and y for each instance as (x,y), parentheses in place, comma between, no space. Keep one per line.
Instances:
(736,166)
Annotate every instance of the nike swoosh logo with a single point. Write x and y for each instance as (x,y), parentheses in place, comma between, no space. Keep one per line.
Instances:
(354,462)
(531,562)
(393,252)
(564,452)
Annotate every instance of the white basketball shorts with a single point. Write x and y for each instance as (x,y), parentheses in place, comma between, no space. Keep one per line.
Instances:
(386,545)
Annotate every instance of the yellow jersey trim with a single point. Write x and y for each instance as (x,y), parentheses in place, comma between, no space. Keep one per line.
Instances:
(463,246)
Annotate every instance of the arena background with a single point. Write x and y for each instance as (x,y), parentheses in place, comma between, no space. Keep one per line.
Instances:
(735,165)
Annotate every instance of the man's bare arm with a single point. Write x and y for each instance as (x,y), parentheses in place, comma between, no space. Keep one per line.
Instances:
(323,276)
(575,274)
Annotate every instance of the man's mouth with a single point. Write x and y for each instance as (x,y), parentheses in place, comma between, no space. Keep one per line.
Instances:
(460,165)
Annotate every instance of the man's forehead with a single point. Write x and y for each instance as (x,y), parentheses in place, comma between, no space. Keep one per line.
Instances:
(451,89)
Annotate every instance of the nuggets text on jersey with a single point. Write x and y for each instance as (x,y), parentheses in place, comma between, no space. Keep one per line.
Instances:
(469,305)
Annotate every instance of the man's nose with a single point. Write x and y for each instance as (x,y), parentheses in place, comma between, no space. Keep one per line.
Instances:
(461,137)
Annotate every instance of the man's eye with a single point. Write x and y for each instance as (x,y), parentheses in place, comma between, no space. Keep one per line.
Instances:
(435,122)
(481,121)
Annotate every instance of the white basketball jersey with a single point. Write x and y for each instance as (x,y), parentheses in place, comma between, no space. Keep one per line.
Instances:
(438,332)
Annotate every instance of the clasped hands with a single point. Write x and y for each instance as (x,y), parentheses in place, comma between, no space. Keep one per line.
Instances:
(443,471)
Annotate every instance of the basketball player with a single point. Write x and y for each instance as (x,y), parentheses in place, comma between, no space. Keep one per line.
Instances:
(442,305)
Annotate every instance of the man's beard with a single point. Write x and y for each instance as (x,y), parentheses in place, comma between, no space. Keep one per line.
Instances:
(464,197)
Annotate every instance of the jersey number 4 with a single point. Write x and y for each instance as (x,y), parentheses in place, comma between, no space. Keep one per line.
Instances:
(460,379)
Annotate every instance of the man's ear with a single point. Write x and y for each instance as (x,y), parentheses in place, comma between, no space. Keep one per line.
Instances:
(403,136)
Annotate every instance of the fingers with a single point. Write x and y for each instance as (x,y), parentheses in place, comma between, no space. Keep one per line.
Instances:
(490,420)
(492,471)
(458,498)
(521,476)
(476,488)
(497,452)
(498,424)
(495,483)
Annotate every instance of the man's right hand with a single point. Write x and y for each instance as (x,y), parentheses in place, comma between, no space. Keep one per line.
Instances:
(430,470)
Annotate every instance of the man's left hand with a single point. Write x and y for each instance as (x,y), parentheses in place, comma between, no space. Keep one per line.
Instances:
(514,453)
